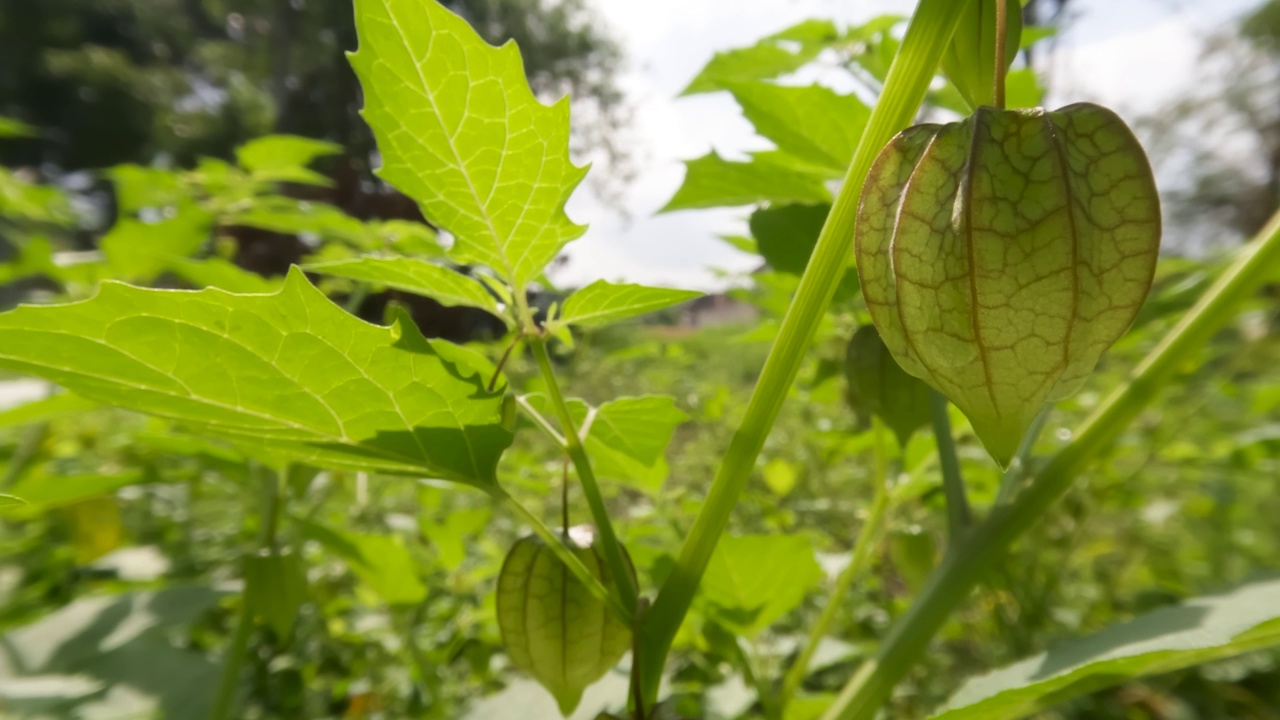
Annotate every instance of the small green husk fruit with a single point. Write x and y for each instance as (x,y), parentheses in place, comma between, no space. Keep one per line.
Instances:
(1001,256)
(552,627)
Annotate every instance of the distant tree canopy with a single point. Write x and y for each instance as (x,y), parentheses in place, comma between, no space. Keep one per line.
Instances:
(112,81)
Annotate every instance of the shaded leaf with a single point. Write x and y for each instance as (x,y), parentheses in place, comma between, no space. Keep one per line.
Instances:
(290,372)
(45,492)
(601,303)
(787,234)
(461,132)
(1194,632)
(275,587)
(45,409)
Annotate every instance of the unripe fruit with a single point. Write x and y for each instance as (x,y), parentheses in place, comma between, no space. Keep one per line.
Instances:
(1001,256)
(553,628)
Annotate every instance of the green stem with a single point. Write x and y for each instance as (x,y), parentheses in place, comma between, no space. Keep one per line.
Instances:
(959,571)
(1002,26)
(868,539)
(1018,469)
(618,565)
(959,516)
(909,77)
(543,424)
(556,542)
(229,683)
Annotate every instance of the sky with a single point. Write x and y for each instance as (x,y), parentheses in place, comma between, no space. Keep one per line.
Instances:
(1130,55)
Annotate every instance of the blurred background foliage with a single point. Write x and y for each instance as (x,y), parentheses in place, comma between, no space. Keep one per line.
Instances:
(209,143)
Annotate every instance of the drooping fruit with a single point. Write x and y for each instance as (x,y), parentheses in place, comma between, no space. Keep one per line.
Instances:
(552,627)
(1001,256)
(970,60)
(877,385)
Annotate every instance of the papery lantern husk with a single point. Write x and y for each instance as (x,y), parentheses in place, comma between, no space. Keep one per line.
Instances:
(1001,256)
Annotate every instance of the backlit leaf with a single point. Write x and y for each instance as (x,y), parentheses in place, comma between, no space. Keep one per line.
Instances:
(812,122)
(381,561)
(770,57)
(445,285)
(461,132)
(601,303)
(289,372)
(712,181)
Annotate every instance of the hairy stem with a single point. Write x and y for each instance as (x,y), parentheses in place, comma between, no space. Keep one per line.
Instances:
(914,67)
(959,571)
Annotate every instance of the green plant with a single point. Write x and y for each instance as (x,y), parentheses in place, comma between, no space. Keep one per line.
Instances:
(277,383)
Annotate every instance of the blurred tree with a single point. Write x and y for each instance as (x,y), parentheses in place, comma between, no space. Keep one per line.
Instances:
(112,81)
(1218,143)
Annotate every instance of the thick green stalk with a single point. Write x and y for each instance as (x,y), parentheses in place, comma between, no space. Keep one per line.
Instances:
(868,539)
(914,67)
(618,565)
(959,571)
(959,517)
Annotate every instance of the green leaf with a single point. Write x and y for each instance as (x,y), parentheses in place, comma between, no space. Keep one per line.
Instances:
(215,272)
(461,132)
(787,234)
(628,437)
(45,409)
(139,187)
(602,303)
(449,536)
(275,588)
(138,251)
(813,123)
(445,285)
(781,476)
(1197,631)
(284,158)
(381,561)
(290,372)
(753,580)
(770,57)
(712,181)
(45,492)
(291,217)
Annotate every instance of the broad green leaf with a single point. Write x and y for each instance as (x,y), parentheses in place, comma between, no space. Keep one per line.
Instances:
(139,187)
(42,492)
(772,56)
(712,181)
(601,303)
(1001,256)
(215,272)
(381,561)
(753,580)
(1197,631)
(290,372)
(445,285)
(461,133)
(787,234)
(138,251)
(45,409)
(813,123)
(451,534)
(21,199)
(132,644)
(284,158)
